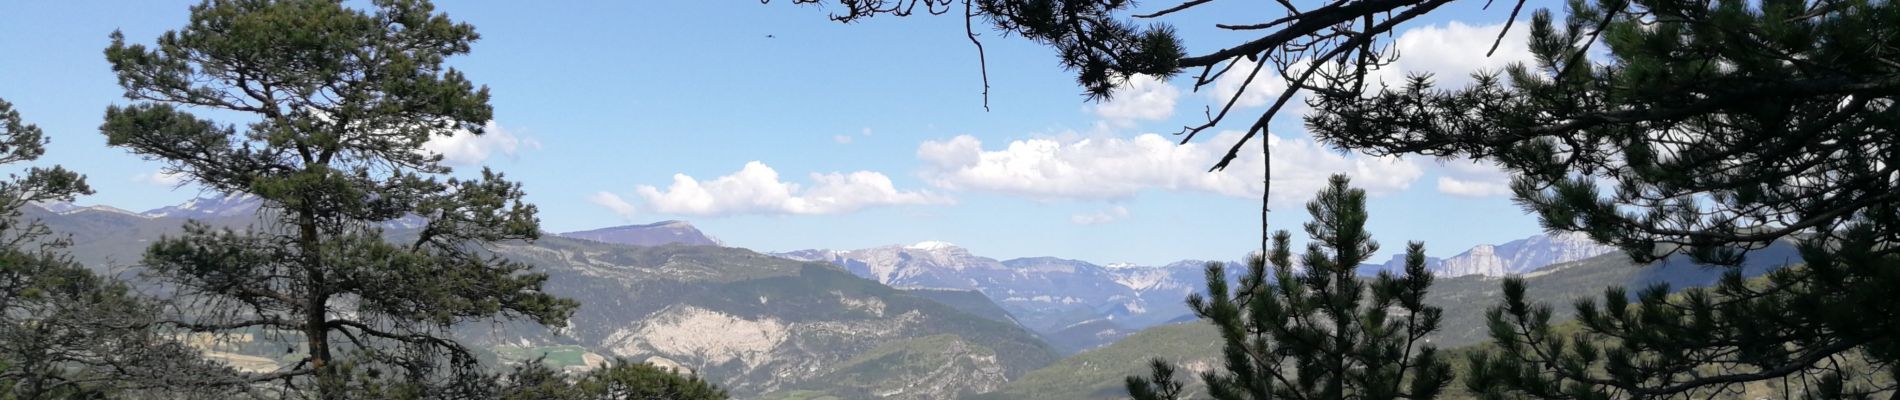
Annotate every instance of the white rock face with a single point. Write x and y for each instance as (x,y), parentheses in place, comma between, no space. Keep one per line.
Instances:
(1523,256)
(714,336)
(1545,250)
(1480,260)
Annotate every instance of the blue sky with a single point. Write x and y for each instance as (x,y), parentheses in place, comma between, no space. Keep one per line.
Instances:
(595,100)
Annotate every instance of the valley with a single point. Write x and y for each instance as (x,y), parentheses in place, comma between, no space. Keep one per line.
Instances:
(923,321)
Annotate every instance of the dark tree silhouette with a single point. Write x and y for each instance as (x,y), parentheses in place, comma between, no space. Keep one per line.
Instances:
(619,379)
(1711,129)
(64,331)
(1317,331)
(1329,45)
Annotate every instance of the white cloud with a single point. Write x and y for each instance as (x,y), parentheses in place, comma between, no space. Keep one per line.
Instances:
(1142,97)
(1449,52)
(1111,214)
(1452,52)
(1469,188)
(1266,86)
(160,178)
(841,139)
(1111,168)
(612,202)
(756,189)
(1472,179)
(865,132)
(466,149)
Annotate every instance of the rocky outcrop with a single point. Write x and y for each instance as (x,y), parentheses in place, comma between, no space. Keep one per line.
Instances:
(1480,260)
(1522,256)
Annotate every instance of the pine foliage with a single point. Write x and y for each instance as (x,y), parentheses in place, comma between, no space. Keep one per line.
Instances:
(1704,128)
(1317,331)
(333,107)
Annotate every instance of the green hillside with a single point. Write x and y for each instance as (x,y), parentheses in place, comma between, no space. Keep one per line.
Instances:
(968,301)
(767,326)
(1465,298)
(1098,373)
(1195,346)
(752,323)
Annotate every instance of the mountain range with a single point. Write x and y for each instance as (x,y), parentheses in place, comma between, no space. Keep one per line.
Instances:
(762,327)
(218,207)
(1077,305)
(654,234)
(928,320)
(1194,347)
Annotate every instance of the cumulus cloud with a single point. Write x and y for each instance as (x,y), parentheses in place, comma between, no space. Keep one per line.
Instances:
(1140,98)
(1111,214)
(1450,53)
(160,178)
(467,149)
(1453,51)
(612,202)
(1265,87)
(1112,168)
(757,189)
(1473,179)
(841,139)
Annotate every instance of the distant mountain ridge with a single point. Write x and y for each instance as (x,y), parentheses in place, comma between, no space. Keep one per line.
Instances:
(654,234)
(1072,304)
(227,205)
(1078,305)
(1521,256)
(763,327)
(1194,345)
(215,207)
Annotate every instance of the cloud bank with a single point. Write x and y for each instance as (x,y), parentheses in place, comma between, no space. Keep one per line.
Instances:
(757,189)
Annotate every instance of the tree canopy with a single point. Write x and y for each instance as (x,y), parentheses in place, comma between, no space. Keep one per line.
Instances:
(336,104)
(66,332)
(1317,331)
(1664,127)
(1707,129)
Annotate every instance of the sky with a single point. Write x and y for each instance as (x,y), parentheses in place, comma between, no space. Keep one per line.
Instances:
(773,128)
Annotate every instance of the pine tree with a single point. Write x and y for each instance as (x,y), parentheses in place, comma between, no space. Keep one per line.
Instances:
(1712,129)
(330,107)
(66,332)
(1318,331)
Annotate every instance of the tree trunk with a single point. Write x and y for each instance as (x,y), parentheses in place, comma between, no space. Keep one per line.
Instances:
(315,310)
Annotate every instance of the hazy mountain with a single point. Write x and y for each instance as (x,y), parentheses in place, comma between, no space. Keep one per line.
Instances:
(762,326)
(1079,305)
(968,301)
(1085,335)
(1100,373)
(1045,294)
(225,209)
(654,234)
(1195,345)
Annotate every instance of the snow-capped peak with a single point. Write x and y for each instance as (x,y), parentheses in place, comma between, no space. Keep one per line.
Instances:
(223,205)
(931,245)
(98,208)
(1122,265)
